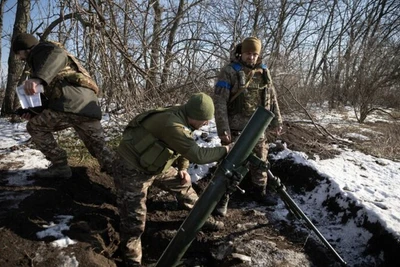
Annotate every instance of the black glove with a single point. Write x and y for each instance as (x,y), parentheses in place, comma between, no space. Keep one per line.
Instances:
(33,111)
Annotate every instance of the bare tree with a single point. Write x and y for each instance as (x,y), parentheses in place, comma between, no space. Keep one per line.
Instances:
(374,65)
(148,53)
(2,3)
(15,67)
(171,39)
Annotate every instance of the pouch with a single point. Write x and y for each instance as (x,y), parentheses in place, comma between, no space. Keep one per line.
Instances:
(157,158)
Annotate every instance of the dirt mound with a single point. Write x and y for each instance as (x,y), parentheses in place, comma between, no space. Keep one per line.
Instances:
(95,223)
(89,198)
(307,139)
(251,236)
(86,197)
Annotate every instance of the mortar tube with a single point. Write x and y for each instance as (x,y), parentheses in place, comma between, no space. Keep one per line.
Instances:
(217,187)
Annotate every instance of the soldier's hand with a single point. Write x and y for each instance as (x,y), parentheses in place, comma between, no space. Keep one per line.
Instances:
(26,116)
(229,147)
(279,130)
(185,176)
(225,140)
(30,86)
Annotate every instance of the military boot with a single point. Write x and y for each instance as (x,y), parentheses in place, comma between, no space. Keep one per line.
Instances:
(222,207)
(55,171)
(212,224)
(131,252)
(260,195)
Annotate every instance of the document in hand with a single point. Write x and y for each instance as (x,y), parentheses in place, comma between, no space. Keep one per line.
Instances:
(29,101)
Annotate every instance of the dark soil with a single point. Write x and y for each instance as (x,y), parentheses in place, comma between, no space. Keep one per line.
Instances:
(89,196)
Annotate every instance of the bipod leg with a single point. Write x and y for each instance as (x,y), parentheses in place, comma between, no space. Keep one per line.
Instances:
(280,188)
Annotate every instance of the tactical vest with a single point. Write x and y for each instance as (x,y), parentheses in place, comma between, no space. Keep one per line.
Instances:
(152,154)
(252,90)
(74,73)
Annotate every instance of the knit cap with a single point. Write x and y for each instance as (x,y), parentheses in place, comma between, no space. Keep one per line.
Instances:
(200,107)
(251,44)
(24,41)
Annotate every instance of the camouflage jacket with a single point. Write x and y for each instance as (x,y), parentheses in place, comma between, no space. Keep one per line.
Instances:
(65,85)
(237,94)
(164,135)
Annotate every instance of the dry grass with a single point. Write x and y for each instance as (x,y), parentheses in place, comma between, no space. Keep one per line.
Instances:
(385,144)
(381,138)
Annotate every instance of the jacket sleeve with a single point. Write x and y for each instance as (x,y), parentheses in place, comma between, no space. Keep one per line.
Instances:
(222,92)
(275,109)
(274,105)
(46,61)
(179,139)
(182,163)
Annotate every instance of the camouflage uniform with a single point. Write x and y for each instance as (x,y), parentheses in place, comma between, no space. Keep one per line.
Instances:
(89,131)
(255,89)
(138,166)
(71,102)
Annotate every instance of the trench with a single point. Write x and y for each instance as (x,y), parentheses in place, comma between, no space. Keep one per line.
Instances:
(381,248)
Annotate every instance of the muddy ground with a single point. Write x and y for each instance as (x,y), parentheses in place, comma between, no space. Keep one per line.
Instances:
(89,196)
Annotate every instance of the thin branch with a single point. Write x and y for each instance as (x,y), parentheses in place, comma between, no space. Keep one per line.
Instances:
(324,131)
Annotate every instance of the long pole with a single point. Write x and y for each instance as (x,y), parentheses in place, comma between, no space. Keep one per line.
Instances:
(296,209)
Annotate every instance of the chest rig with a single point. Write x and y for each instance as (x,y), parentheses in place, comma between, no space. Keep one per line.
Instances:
(74,73)
(252,89)
(153,155)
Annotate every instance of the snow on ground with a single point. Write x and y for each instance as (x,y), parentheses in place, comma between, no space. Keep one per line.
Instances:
(370,182)
(366,181)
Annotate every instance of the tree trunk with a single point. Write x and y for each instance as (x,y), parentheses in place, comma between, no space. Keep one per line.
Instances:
(15,67)
(154,81)
(171,38)
(2,3)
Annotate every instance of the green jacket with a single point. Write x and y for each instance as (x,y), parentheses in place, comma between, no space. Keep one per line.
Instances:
(47,61)
(167,128)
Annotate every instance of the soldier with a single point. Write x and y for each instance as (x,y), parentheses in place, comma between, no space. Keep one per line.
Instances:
(147,154)
(71,102)
(242,86)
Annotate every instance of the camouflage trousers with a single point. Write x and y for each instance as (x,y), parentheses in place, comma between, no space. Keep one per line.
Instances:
(132,187)
(258,177)
(89,130)
(237,123)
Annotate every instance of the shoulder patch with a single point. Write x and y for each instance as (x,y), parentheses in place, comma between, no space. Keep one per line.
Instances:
(236,66)
(188,133)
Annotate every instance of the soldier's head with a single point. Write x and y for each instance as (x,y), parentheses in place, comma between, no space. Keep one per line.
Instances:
(199,110)
(251,49)
(22,45)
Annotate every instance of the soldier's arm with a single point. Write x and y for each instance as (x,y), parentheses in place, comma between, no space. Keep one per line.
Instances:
(275,106)
(46,62)
(203,155)
(277,121)
(180,140)
(182,163)
(222,92)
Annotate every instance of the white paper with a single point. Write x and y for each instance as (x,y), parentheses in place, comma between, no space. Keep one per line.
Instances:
(29,101)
